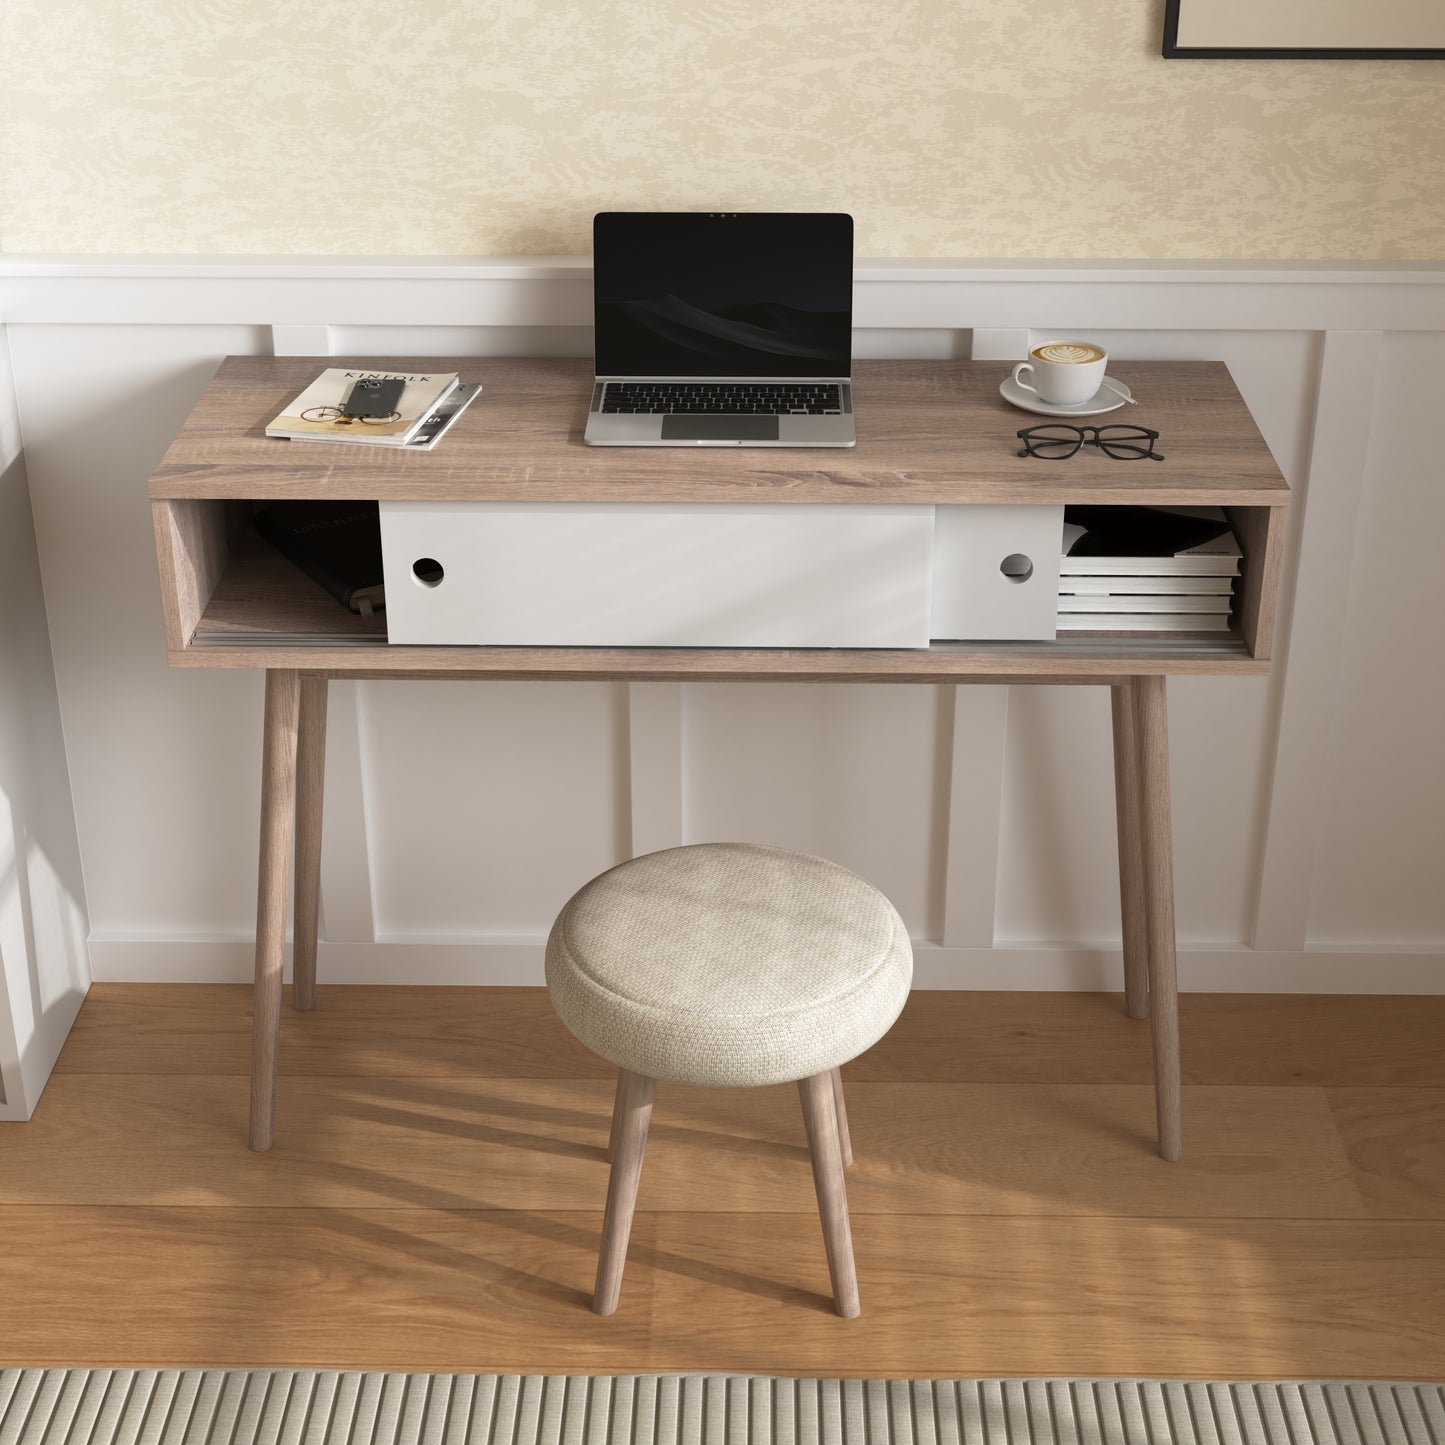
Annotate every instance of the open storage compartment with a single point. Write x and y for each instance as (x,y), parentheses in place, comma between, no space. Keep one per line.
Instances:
(226,588)
(224,585)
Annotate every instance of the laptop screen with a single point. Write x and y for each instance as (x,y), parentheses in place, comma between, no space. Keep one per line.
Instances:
(730,294)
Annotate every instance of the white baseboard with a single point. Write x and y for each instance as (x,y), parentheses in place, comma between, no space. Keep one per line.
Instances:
(1202,969)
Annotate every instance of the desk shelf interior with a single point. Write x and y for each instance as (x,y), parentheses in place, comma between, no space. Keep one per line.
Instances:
(260,592)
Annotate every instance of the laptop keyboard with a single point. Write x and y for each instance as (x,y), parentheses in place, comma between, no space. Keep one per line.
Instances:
(733,397)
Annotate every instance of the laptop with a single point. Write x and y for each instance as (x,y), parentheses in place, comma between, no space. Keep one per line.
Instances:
(722,329)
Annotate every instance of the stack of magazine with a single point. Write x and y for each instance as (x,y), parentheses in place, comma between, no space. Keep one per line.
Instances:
(429,404)
(1147,569)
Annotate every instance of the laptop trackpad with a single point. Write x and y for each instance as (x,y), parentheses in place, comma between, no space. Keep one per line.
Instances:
(679,427)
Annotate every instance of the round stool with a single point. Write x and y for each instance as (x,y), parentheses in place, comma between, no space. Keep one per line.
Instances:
(729,965)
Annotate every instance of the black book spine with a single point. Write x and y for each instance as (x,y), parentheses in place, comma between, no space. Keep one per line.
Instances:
(285,541)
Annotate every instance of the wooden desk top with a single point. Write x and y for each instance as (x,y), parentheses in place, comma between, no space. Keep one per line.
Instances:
(928,432)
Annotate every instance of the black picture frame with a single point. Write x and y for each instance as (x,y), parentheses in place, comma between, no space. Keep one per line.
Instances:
(1174,51)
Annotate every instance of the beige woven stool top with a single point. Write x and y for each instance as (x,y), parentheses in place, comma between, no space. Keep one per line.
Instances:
(729,964)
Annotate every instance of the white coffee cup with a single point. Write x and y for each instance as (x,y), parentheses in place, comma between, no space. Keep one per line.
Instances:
(1063,373)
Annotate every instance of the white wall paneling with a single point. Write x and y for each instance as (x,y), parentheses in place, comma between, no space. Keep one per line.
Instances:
(460,816)
(164,774)
(655,766)
(346,883)
(1000,344)
(844,770)
(44,968)
(976,724)
(489,806)
(530,293)
(1321,558)
(301,341)
(1380,834)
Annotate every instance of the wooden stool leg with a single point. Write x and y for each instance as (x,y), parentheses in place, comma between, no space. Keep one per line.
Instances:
(1157,846)
(278,802)
(310,780)
(631,1116)
(616,1114)
(1131,855)
(840,1109)
(821,1122)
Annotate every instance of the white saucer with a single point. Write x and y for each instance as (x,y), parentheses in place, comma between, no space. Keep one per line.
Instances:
(1109,397)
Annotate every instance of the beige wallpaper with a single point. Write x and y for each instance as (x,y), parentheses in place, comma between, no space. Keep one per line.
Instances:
(964,128)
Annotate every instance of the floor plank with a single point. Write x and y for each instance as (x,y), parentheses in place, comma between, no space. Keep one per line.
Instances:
(1395,1142)
(538,1144)
(408,1289)
(1316,1040)
(206,1029)
(947,1037)
(943,1295)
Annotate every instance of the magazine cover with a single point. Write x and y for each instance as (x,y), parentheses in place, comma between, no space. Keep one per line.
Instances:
(434,426)
(317,412)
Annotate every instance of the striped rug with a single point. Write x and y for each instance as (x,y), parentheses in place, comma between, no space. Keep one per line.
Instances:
(324,1407)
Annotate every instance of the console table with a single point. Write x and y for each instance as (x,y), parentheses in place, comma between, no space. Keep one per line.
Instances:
(929,433)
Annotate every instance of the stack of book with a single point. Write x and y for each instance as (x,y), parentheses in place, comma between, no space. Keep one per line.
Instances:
(1147,569)
(428,405)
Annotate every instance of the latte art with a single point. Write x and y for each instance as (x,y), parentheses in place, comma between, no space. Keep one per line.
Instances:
(1068,353)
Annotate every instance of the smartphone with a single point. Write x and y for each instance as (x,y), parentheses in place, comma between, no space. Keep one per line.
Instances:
(374,396)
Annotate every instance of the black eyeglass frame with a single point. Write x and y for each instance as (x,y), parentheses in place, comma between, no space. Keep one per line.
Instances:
(1126,453)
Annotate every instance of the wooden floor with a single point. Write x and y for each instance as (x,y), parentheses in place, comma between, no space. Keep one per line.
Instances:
(433,1200)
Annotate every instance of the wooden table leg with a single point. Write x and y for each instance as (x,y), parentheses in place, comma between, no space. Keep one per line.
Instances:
(310,781)
(278,803)
(1131,857)
(1152,721)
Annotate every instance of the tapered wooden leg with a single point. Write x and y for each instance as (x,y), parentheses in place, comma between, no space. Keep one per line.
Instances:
(616,1114)
(1131,856)
(821,1122)
(631,1115)
(278,803)
(840,1109)
(310,780)
(1152,722)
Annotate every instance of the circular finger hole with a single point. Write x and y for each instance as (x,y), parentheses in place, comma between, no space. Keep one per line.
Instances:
(1016,567)
(427,571)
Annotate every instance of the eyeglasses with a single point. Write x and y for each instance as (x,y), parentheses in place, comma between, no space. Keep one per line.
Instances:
(1057,441)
